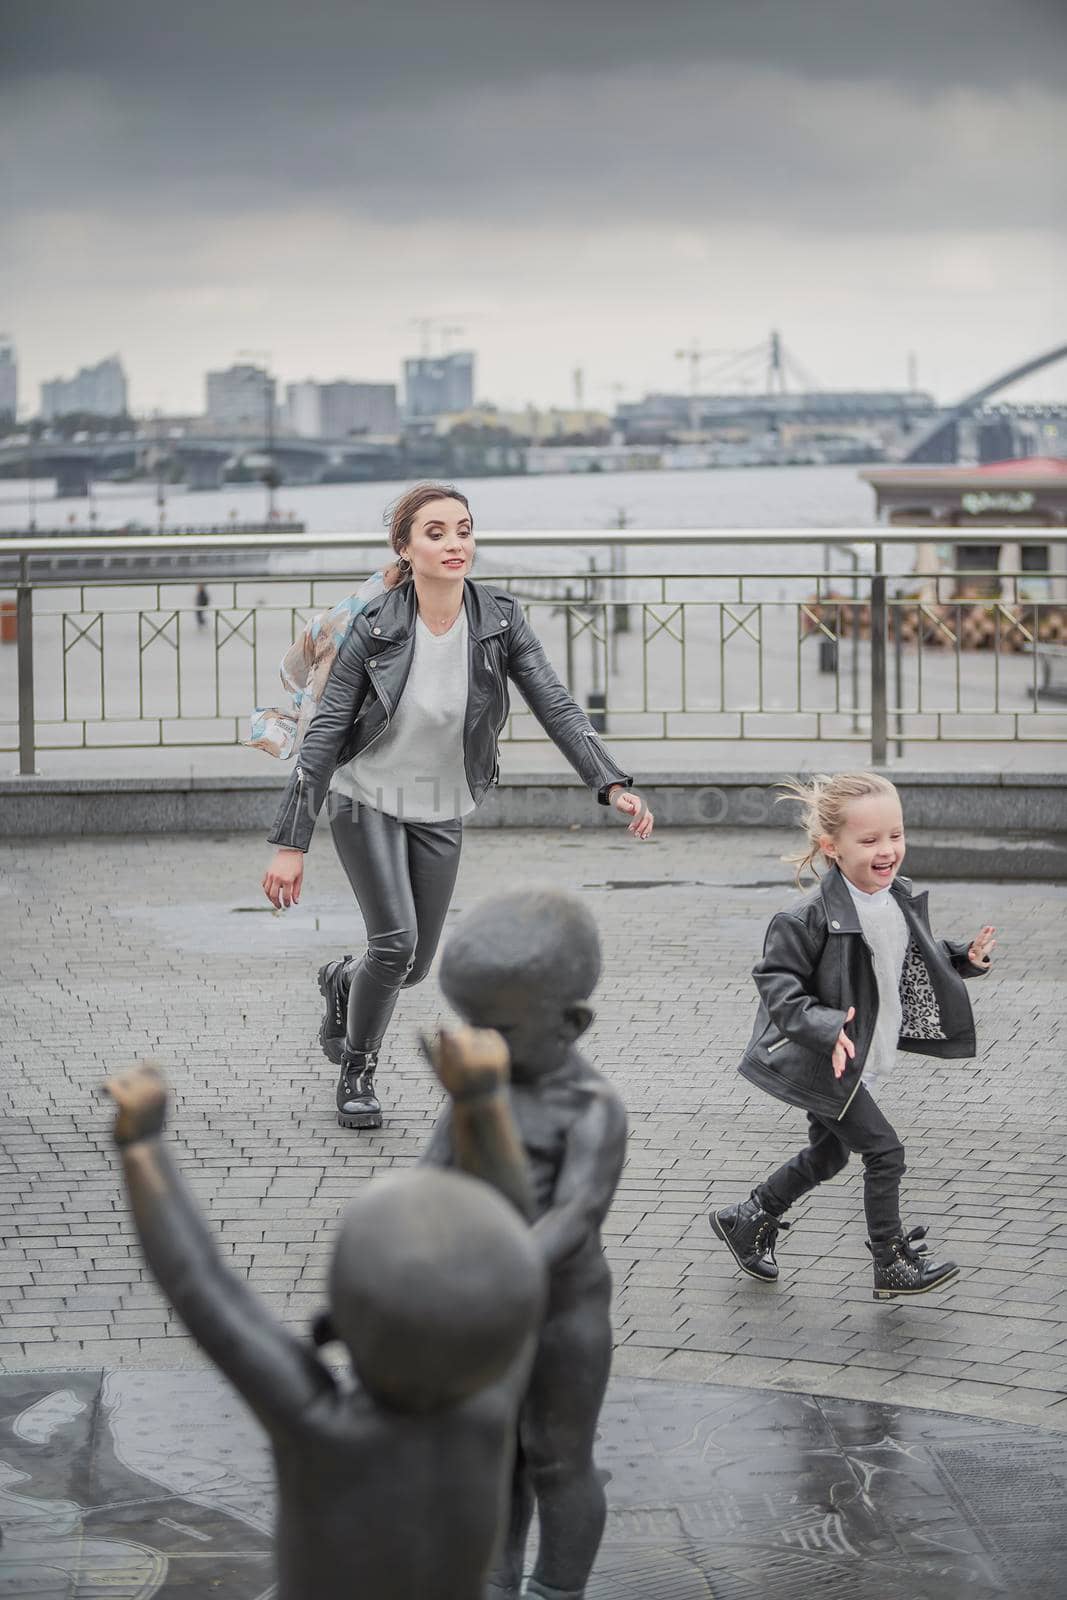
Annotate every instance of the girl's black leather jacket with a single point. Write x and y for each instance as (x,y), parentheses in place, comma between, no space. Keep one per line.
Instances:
(368,678)
(816,964)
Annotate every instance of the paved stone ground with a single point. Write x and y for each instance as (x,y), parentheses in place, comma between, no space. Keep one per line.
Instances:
(116,949)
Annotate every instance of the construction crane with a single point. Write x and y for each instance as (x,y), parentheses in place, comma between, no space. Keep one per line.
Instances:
(445,328)
(768,361)
(696,358)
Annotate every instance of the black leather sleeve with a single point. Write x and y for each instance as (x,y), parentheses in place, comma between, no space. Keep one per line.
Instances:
(316,759)
(785,979)
(956,950)
(561,717)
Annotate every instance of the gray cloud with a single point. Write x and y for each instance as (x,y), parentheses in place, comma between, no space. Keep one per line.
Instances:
(840,113)
(689,144)
(173,177)
(382,49)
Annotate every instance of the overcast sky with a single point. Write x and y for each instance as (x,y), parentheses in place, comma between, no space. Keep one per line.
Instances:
(577,183)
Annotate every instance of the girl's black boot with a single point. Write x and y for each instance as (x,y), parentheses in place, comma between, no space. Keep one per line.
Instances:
(357,1104)
(900,1267)
(749,1233)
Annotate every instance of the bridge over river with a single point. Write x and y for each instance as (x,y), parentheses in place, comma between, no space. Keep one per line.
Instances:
(204,460)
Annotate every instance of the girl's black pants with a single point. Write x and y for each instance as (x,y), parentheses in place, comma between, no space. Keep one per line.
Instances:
(862,1131)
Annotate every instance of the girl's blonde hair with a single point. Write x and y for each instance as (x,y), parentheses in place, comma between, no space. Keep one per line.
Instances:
(824,801)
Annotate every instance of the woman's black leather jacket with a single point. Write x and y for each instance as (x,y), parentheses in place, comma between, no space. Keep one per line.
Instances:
(368,678)
(816,964)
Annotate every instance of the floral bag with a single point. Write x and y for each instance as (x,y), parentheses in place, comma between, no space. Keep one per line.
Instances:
(304,669)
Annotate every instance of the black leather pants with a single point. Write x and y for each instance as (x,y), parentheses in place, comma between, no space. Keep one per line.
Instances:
(865,1131)
(403,875)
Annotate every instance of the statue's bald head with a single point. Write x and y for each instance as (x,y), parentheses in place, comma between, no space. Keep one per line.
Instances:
(525,963)
(532,941)
(436,1284)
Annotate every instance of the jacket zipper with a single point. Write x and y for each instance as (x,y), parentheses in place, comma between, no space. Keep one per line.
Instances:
(298,800)
(851,1097)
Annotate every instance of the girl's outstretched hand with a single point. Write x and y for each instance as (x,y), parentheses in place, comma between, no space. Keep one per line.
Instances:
(631,805)
(844,1049)
(981,950)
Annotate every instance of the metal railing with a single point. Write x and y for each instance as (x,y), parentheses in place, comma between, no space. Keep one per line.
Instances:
(778,651)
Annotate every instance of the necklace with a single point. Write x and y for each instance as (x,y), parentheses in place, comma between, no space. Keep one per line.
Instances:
(439,625)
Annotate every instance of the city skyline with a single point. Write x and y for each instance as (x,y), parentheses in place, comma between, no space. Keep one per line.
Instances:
(586,187)
(746,381)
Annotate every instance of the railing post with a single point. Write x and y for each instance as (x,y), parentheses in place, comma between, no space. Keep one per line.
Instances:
(879,687)
(24,649)
(568,617)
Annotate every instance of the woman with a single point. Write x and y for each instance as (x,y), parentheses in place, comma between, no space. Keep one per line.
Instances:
(404,740)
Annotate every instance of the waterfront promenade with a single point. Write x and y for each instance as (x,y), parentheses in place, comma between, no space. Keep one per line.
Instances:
(165,947)
(745,1425)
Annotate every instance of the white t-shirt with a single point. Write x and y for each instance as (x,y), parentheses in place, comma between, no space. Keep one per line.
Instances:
(886,933)
(416,770)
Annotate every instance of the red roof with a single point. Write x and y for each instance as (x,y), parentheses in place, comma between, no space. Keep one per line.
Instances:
(1046,466)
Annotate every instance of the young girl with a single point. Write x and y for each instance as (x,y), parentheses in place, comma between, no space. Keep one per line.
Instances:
(849,975)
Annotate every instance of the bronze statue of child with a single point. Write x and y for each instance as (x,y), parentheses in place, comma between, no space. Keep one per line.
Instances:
(393,1486)
(525,964)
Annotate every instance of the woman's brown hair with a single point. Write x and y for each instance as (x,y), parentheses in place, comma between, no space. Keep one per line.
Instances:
(402,513)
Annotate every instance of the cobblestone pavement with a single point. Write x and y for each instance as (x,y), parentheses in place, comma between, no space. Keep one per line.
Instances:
(117,949)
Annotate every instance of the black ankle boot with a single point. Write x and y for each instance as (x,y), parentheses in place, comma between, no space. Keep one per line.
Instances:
(749,1233)
(357,1104)
(333,986)
(899,1267)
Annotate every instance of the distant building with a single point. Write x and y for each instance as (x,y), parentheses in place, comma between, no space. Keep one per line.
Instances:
(240,395)
(538,426)
(436,384)
(9,377)
(819,405)
(303,409)
(879,419)
(334,410)
(100,390)
(542,458)
(1029,495)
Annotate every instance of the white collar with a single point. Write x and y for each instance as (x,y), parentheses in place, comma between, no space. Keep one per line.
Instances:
(880,897)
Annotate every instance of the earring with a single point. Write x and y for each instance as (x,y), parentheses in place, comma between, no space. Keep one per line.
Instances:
(403,563)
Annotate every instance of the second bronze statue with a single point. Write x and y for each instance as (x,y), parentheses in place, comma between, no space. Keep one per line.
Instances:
(525,964)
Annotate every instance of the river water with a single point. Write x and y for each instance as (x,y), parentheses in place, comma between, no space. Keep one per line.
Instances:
(751,497)
(743,498)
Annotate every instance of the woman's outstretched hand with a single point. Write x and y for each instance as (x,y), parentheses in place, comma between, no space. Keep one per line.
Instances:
(282,879)
(631,805)
(980,952)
